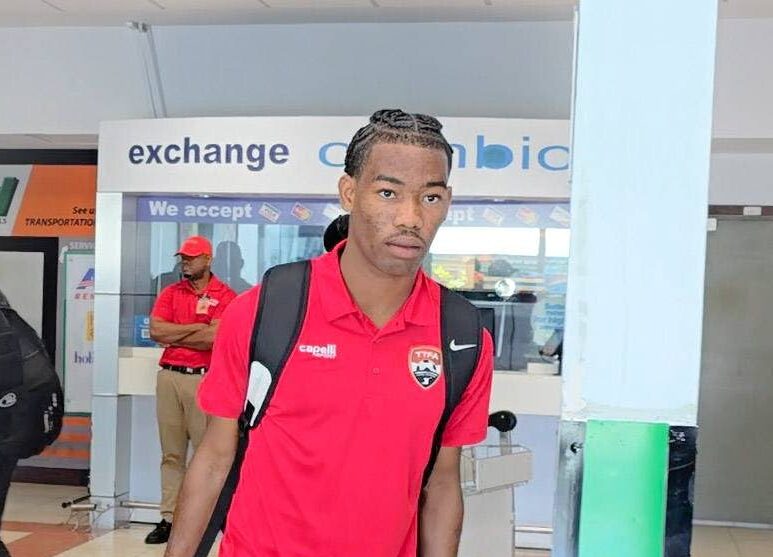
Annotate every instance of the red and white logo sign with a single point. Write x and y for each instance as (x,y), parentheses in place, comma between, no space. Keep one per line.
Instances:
(425,364)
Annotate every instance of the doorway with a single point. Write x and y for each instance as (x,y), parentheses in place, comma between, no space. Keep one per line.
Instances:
(734,477)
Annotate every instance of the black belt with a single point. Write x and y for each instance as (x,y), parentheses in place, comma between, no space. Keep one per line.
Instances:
(186,370)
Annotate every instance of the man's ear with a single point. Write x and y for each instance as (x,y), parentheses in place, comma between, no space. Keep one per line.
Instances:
(347,190)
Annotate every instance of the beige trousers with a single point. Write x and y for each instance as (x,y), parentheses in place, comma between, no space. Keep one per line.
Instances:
(179,421)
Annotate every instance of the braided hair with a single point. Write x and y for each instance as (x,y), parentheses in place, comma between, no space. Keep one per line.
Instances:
(394,126)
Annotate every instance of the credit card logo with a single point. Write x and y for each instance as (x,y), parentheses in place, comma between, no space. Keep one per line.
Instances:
(527,215)
(561,216)
(300,212)
(269,212)
(493,216)
(332,211)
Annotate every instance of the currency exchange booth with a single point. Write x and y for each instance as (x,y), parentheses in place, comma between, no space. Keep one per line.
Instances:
(263,190)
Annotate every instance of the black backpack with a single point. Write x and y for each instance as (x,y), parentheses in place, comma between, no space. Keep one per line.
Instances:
(31,398)
(281,313)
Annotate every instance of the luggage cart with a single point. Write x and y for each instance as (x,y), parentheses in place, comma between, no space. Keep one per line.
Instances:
(489,475)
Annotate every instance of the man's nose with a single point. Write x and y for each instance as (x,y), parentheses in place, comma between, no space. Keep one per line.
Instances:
(409,214)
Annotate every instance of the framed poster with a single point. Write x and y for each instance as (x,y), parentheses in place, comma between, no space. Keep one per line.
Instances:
(78,358)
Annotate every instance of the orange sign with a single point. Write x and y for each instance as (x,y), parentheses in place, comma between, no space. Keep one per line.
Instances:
(58,201)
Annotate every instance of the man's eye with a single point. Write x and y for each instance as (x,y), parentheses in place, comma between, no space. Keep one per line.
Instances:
(387,194)
(433,198)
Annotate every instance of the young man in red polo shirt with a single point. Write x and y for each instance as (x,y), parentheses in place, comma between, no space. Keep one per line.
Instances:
(184,319)
(335,467)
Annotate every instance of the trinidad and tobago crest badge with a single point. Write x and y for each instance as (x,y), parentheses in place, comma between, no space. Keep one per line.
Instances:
(425,364)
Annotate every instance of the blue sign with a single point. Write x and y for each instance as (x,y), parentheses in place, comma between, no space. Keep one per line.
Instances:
(320,212)
(142,331)
(495,156)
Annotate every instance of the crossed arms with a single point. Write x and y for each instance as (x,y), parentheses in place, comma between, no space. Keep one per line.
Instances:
(197,336)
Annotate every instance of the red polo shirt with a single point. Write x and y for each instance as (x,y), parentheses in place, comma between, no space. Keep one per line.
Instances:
(180,303)
(335,467)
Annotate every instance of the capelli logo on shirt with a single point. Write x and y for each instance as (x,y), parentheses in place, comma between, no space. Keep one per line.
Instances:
(328,351)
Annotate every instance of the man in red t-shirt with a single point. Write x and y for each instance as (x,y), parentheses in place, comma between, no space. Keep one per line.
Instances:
(184,319)
(334,468)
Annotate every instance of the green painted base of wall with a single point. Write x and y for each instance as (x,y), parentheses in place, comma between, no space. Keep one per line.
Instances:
(625,474)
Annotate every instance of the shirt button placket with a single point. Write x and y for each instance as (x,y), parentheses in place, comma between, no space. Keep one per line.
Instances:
(375,369)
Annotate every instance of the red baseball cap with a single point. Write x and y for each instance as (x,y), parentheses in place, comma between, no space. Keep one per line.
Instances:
(195,246)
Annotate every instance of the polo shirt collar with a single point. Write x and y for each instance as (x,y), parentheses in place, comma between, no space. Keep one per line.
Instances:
(214,285)
(422,305)
(419,309)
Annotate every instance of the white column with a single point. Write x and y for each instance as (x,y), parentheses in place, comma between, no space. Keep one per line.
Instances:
(641,146)
(111,413)
(642,109)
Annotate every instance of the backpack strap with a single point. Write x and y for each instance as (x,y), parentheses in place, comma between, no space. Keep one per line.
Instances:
(461,333)
(11,390)
(279,318)
(11,366)
(282,309)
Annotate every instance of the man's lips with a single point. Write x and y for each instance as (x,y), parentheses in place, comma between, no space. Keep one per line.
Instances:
(405,247)
(406,243)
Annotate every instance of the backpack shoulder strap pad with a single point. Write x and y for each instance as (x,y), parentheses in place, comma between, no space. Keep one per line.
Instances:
(461,330)
(461,333)
(281,311)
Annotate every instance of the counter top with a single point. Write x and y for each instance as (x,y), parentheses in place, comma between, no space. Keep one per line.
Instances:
(521,393)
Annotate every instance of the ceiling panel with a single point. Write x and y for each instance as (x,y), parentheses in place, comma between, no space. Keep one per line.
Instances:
(211,5)
(180,12)
(42,141)
(101,6)
(477,4)
(532,3)
(431,4)
(25,7)
(319,4)
(746,8)
(19,141)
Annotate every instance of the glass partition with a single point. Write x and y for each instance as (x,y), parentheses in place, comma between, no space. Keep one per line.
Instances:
(513,258)
(509,256)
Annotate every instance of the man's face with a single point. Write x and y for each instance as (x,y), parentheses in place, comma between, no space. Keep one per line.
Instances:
(193,268)
(397,205)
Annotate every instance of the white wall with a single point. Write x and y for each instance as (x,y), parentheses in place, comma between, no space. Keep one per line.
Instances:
(743,109)
(744,79)
(68,79)
(741,178)
(455,69)
(65,80)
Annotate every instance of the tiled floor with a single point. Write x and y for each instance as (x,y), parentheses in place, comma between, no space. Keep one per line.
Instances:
(34,526)
(732,542)
(40,503)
